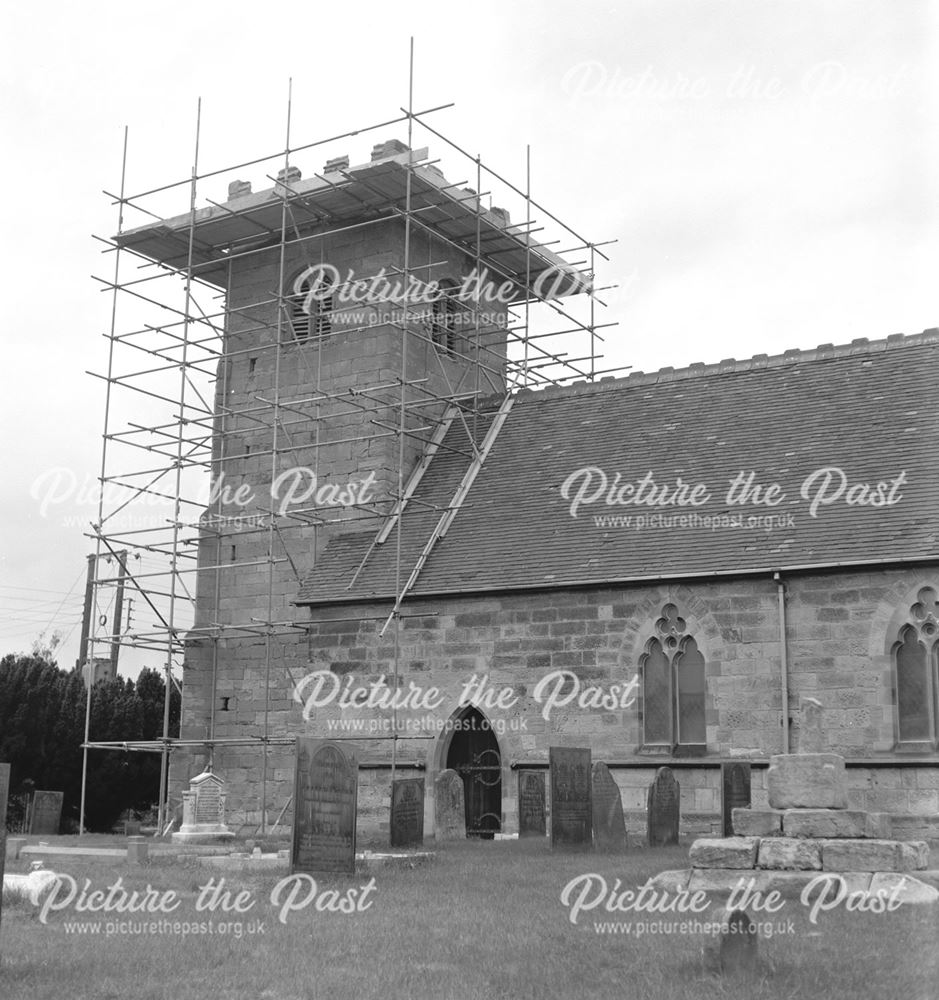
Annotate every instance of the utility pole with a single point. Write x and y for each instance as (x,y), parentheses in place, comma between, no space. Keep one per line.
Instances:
(86,612)
(118,607)
(88,678)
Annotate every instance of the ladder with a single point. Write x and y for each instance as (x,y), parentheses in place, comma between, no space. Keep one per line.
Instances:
(459,496)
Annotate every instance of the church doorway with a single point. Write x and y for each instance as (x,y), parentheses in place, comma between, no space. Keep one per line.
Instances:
(474,755)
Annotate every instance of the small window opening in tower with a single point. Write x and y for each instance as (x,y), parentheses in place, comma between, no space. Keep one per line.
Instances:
(444,316)
(311,305)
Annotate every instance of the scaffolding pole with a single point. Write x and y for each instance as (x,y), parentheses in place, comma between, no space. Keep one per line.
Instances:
(167,445)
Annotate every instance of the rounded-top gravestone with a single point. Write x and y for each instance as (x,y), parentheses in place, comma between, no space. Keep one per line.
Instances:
(664,811)
(449,807)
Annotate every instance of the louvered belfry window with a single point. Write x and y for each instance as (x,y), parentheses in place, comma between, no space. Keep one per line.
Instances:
(443,320)
(310,314)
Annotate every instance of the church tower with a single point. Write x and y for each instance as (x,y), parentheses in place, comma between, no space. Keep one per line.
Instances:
(366,307)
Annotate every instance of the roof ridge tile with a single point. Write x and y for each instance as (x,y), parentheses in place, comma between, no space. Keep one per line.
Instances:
(728,366)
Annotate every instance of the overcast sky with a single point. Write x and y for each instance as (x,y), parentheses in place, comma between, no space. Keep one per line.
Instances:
(768,171)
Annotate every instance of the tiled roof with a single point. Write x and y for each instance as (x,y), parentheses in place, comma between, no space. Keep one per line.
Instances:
(869,409)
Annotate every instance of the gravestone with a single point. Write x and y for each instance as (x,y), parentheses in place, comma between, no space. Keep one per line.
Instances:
(811,738)
(4,792)
(138,850)
(449,807)
(739,946)
(663,809)
(735,793)
(204,812)
(531,804)
(609,824)
(325,794)
(407,812)
(571,809)
(46,813)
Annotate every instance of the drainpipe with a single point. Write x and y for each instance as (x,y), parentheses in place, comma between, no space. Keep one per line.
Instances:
(783,661)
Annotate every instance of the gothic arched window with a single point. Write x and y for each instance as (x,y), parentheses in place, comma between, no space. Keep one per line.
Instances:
(916,673)
(673,676)
(689,693)
(656,696)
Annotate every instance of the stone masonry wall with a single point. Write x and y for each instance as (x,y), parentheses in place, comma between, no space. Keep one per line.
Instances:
(248,573)
(840,630)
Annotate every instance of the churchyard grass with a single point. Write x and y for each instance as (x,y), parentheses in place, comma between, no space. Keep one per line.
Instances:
(481,920)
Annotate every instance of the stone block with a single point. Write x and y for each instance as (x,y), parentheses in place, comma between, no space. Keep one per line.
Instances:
(726,852)
(880,826)
(809,780)
(787,883)
(903,888)
(829,886)
(671,881)
(824,823)
(789,854)
(757,822)
(904,826)
(718,880)
(915,855)
(874,855)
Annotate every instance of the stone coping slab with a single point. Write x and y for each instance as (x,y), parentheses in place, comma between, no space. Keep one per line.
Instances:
(786,883)
(931,877)
(914,890)
(393,859)
(833,855)
(78,852)
(822,823)
(244,862)
(874,855)
(206,834)
(247,862)
(156,847)
(721,881)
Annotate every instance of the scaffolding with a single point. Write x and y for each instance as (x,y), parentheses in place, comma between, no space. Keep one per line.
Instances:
(162,514)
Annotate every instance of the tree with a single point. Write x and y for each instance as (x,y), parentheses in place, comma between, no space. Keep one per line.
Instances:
(42,728)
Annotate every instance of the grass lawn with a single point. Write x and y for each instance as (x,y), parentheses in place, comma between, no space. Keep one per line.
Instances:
(483,920)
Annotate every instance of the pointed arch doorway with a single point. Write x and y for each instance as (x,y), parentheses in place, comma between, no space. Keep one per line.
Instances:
(473,752)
